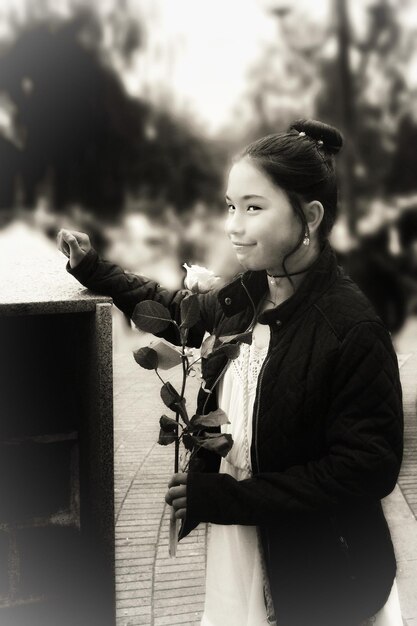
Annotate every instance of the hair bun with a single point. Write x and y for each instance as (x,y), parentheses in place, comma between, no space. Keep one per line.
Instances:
(332,138)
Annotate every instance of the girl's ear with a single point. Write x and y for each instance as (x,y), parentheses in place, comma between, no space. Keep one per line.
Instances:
(314,213)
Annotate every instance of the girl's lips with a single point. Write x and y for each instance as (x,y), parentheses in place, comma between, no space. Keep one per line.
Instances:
(241,245)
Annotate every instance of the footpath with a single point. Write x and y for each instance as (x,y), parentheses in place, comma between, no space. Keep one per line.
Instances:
(156,590)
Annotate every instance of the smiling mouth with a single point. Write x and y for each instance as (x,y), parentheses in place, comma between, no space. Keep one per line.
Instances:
(241,245)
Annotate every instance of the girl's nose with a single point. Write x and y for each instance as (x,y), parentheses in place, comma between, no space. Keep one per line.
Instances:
(234,224)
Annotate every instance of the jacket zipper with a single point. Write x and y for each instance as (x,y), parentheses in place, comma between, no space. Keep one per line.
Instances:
(258,402)
(210,391)
(261,374)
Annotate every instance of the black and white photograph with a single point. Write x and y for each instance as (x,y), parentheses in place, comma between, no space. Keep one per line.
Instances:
(208,313)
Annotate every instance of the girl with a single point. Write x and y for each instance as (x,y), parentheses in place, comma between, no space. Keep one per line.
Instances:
(298,535)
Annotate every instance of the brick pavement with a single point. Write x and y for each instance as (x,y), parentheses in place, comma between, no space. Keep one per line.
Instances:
(152,588)
(401,506)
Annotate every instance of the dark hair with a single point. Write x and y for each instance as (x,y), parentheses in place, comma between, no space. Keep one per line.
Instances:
(301,162)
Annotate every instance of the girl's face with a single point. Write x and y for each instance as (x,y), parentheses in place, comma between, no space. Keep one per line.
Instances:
(261,224)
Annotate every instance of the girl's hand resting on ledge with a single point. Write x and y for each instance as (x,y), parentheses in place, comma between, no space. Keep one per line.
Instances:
(74,245)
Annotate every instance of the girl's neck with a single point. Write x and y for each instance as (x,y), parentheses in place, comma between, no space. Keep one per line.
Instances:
(281,291)
(281,287)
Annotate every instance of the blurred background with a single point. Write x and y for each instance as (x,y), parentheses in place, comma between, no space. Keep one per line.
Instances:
(119,119)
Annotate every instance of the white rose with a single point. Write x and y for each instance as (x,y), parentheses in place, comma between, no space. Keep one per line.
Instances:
(199,279)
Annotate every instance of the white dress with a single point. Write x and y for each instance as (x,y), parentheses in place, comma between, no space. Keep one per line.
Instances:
(235,576)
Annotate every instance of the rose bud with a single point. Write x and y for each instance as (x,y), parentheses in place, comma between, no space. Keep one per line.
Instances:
(200,279)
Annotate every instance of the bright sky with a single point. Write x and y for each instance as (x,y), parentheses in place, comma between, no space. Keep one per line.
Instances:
(206,49)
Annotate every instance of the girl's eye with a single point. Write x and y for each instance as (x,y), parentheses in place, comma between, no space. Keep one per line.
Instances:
(251,209)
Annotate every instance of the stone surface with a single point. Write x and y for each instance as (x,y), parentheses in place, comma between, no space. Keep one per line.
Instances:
(35,479)
(33,277)
(40,361)
(101,433)
(50,560)
(56,403)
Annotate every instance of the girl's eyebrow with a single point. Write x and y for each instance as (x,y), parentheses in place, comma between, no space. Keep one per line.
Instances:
(247,197)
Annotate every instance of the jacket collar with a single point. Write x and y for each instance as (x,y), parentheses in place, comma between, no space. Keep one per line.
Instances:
(252,285)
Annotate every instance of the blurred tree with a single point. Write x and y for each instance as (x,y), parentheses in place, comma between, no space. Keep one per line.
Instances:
(380,96)
(350,73)
(402,176)
(76,130)
(283,83)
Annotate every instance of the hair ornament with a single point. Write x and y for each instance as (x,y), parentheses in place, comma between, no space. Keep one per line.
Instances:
(319,142)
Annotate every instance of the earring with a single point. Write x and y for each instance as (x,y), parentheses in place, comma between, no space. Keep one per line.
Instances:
(306,240)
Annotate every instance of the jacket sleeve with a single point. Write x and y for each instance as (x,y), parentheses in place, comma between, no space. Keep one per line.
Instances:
(127,290)
(363,429)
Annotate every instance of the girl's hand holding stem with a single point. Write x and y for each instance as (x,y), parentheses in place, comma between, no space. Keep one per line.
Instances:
(176,495)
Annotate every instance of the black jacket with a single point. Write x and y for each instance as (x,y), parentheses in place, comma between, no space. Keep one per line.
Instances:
(327,436)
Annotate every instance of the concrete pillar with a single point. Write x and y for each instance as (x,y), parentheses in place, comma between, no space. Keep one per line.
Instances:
(56,441)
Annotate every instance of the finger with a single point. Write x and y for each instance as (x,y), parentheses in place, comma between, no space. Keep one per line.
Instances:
(82,238)
(62,245)
(180,514)
(71,241)
(175,492)
(178,479)
(179,503)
